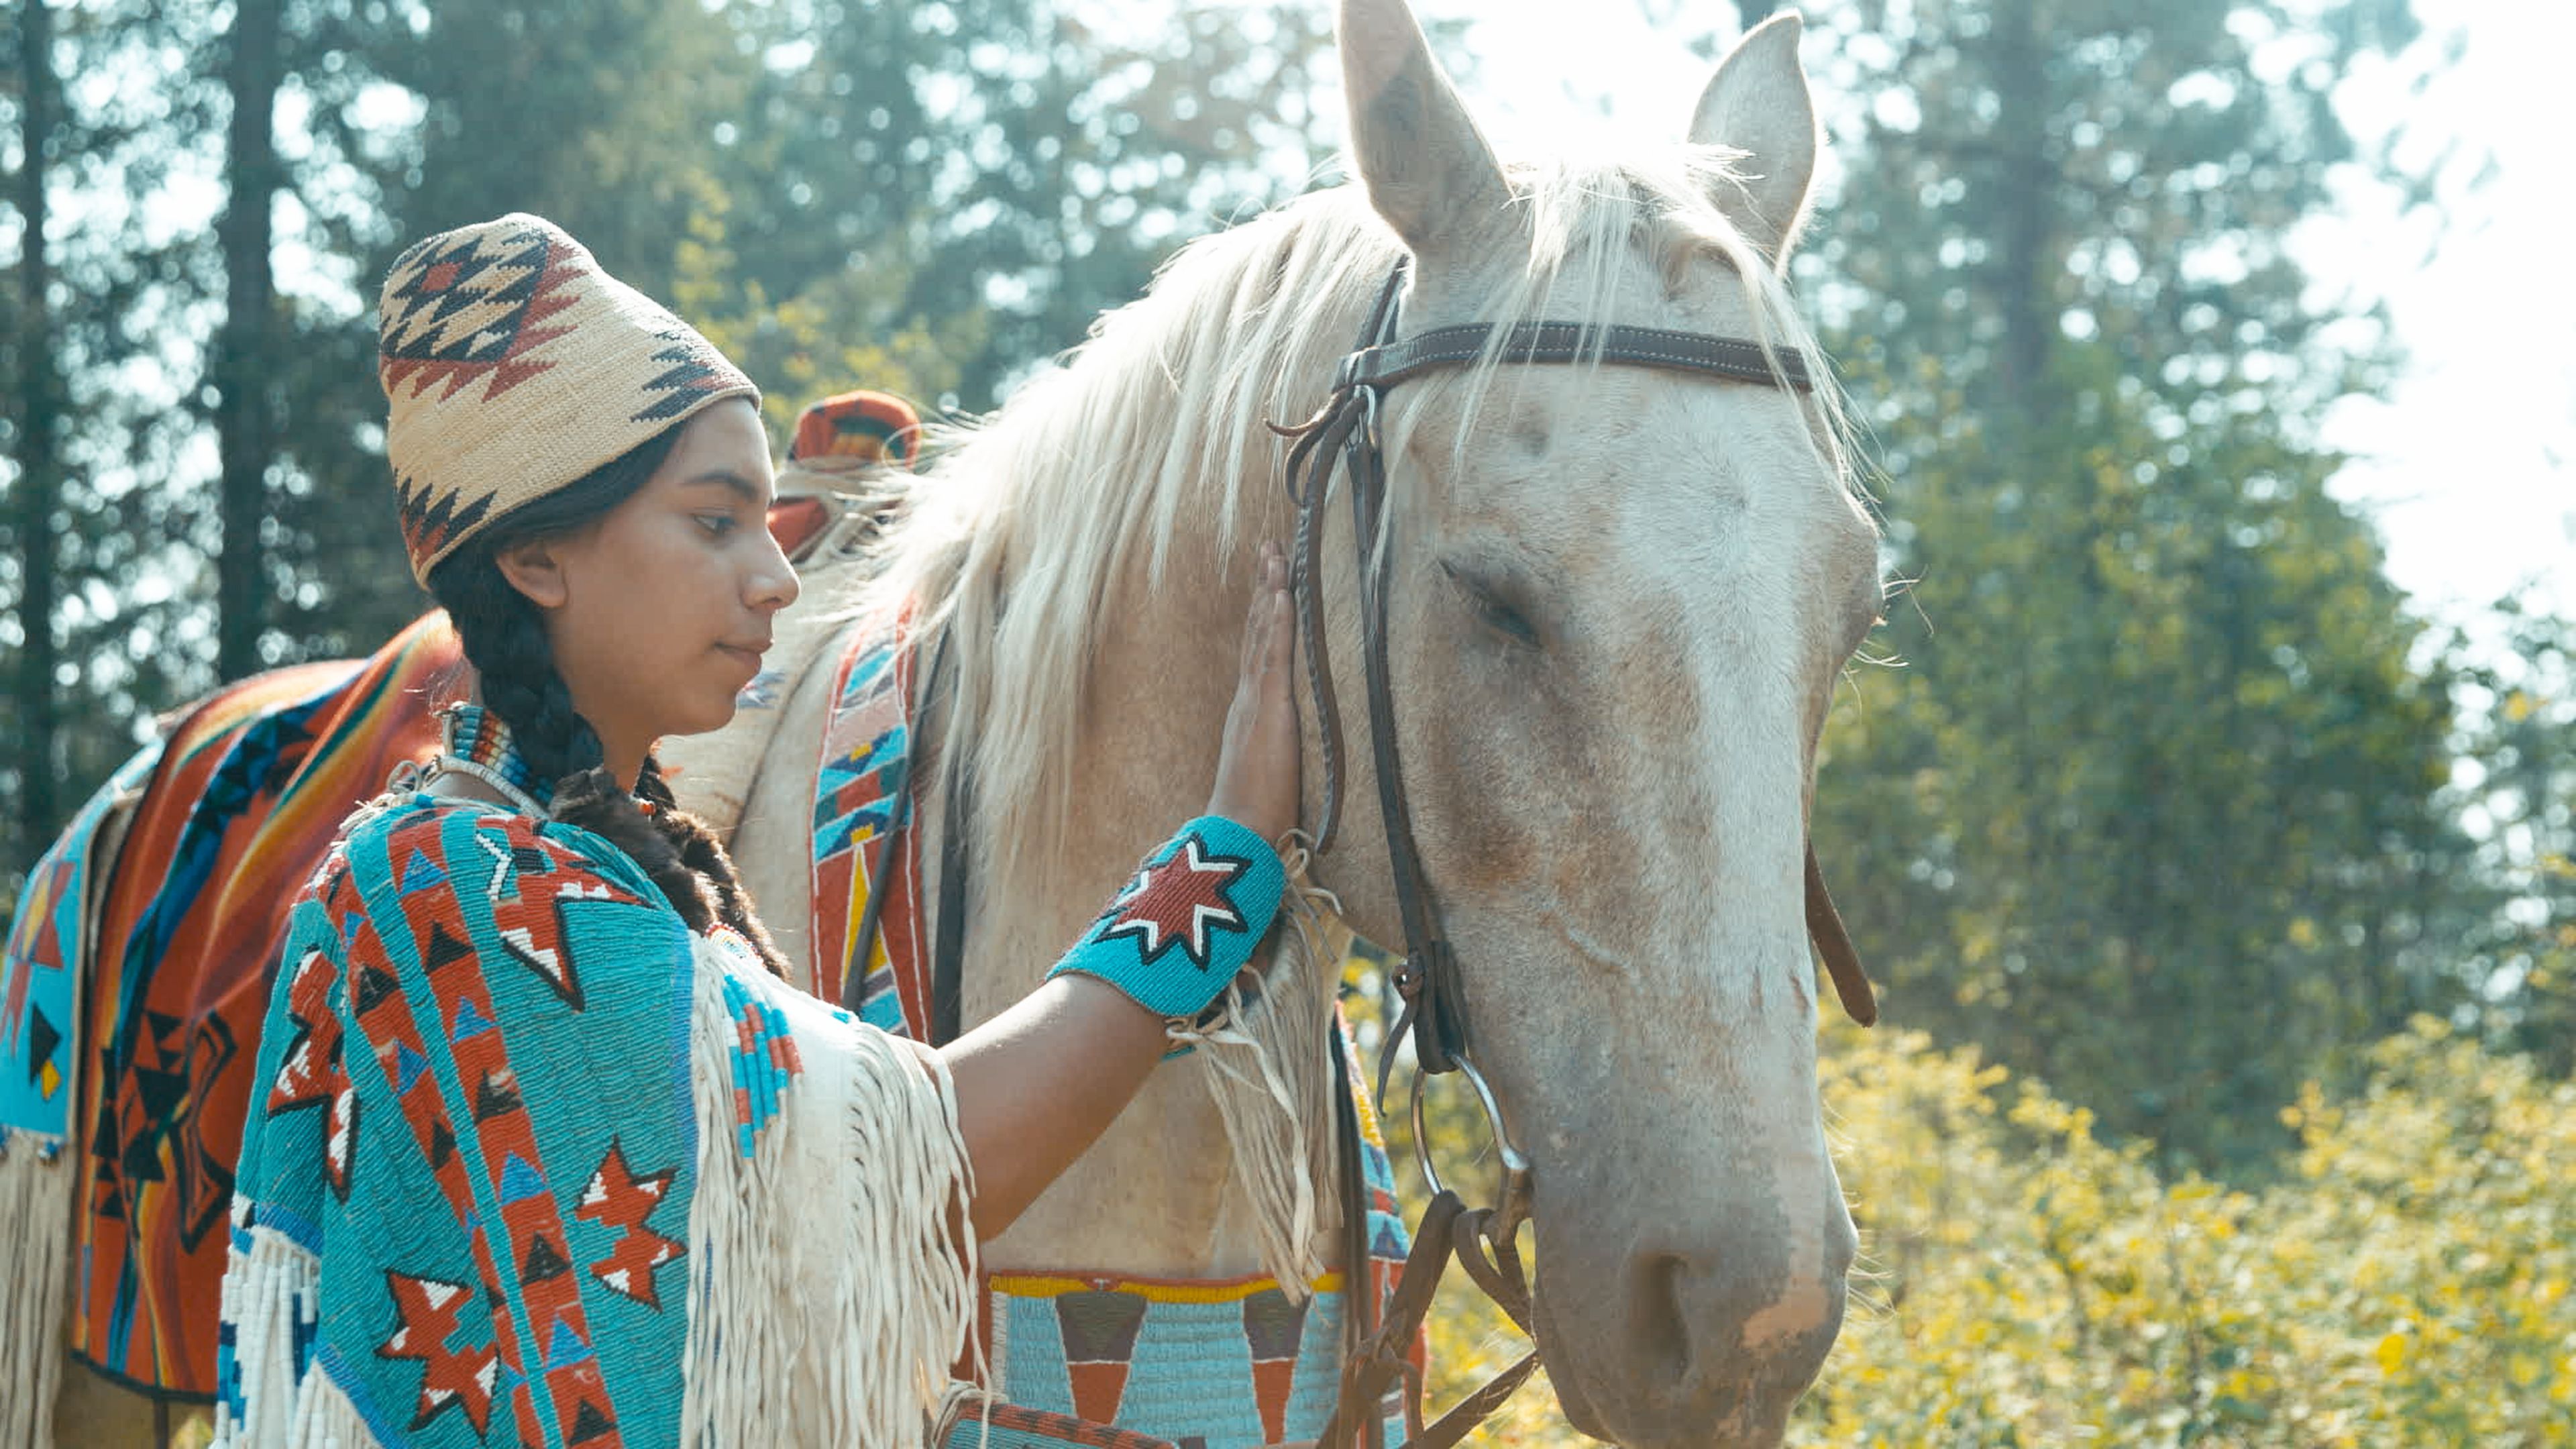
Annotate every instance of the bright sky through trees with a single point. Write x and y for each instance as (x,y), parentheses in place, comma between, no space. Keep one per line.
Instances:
(2470,464)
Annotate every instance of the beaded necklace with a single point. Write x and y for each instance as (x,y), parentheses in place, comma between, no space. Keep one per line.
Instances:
(475,742)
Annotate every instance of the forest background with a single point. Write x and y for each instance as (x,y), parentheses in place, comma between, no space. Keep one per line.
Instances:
(2154,789)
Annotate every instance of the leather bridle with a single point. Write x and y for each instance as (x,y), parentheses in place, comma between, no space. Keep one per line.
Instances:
(1345,432)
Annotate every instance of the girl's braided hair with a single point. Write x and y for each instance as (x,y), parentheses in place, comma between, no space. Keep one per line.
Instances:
(505,640)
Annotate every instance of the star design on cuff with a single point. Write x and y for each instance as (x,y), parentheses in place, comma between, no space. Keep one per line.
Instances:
(1179,901)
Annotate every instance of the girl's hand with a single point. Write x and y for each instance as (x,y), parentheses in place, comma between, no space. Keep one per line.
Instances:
(1256,765)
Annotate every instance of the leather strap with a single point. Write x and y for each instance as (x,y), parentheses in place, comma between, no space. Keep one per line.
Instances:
(1344,433)
(948,935)
(1494,1265)
(1382,1358)
(1428,978)
(1737,358)
(1319,440)
(1477,1407)
(1842,963)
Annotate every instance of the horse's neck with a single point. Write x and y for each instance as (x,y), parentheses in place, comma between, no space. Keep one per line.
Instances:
(1155,1195)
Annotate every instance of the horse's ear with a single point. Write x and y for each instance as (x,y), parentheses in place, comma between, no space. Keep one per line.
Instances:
(1758,103)
(1427,168)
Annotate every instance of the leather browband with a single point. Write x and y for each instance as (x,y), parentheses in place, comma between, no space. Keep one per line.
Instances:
(1736,358)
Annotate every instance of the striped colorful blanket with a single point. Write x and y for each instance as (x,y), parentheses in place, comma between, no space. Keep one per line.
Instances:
(237,807)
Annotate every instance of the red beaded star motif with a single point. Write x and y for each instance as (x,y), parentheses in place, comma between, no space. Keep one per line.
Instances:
(1178,902)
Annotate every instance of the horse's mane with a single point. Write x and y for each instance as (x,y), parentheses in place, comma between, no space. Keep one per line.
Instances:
(1150,434)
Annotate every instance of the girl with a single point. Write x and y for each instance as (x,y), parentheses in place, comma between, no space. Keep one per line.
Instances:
(547,1155)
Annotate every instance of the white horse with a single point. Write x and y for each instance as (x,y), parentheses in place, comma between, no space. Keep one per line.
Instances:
(1621,599)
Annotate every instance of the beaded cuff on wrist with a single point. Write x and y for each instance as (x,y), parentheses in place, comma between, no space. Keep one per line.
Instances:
(1189,920)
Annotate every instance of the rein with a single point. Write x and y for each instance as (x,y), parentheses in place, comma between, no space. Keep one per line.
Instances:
(1345,432)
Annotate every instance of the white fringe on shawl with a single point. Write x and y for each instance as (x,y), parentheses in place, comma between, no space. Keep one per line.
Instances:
(831,1272)
(1272,1078)
(36,1173)
(269,1293)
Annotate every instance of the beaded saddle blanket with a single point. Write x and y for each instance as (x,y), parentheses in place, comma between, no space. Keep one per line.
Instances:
(1222,1364)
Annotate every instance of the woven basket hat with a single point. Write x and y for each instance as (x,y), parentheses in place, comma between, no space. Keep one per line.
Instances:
(512,366)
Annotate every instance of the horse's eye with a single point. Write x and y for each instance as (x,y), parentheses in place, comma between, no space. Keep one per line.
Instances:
(1491,605)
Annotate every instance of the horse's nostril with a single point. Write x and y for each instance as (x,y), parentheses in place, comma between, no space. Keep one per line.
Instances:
(1663,1320)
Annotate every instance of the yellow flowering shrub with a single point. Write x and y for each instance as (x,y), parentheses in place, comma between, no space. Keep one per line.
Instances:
(2405,1283)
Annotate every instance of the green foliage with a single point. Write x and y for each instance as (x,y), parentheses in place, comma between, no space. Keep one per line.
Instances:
(127,555)
(2518,789)
(2045,169)
(995,172)
(926,198)
(427,117)
(2406,1284)
(2152,803)
(2156,753)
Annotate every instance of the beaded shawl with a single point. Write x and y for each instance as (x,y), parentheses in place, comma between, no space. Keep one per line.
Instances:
(529,1159)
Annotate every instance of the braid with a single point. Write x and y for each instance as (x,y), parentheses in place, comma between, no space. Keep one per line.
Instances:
(703,853)
(505,640)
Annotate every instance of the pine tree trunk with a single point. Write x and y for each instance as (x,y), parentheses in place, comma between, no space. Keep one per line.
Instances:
(40,483)
(2021,134)
(244,424)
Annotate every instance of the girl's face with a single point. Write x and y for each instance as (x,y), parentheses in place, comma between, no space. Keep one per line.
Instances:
(660,611)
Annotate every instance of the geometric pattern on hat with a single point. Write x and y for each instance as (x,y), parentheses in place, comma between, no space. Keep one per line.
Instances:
(472,307)
(467,309)
(512,366)
(693,369)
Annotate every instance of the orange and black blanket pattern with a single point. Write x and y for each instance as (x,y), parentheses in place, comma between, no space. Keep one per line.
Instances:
(252,785)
